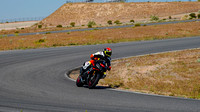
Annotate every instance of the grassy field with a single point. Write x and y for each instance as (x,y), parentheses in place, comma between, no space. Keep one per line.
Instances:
(171,74)
(101,36)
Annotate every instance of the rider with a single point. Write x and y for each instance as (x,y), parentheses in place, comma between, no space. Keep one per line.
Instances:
(105,55)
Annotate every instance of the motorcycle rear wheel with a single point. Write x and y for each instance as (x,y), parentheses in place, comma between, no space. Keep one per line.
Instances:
(93,81)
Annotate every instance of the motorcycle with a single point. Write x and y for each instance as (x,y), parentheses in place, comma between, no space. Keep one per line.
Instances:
(99,72)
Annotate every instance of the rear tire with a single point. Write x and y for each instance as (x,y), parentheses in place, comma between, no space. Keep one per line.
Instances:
(93,82)
(78,82)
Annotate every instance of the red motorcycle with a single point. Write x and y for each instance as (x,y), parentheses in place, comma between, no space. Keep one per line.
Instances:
(99,72)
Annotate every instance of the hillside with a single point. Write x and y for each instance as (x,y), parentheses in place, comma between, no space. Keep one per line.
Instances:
(82,13)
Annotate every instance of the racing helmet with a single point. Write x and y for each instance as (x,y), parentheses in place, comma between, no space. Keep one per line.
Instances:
(107,51)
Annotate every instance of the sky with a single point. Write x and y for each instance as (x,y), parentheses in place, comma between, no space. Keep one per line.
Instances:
(10,9)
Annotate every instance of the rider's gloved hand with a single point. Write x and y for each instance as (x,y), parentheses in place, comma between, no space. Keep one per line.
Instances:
(109,68)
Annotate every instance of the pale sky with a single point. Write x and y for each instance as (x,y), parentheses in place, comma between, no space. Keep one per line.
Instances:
(10,9)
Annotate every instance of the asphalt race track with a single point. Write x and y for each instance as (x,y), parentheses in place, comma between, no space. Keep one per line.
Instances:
(34,80)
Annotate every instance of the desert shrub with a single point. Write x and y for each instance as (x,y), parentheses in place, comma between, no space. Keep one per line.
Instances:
(117,22)
(198,16)
(198,0)
(22,28)
(154,18)
(132,21)
(72,24)
(137,24)
(59,26)
(192,15)
(170,17)
(40,41)
(39,26)
(109,22)
(16,31)
(91,24)
(185,17)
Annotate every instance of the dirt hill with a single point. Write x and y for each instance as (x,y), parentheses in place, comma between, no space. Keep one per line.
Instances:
(82,13)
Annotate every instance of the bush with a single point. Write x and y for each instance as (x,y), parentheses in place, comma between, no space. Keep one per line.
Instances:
(39,26)
(59,26)
(170,17)
(185,17)
(40,41)
(154,18)
(16,31)
(198,16)
(138,24)
(72,24)
(91,24)
(117,22)
(22,28)
(132,21)
(109,22)
(192,15)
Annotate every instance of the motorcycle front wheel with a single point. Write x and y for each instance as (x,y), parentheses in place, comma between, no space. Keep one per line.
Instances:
(93,81)
(78,82)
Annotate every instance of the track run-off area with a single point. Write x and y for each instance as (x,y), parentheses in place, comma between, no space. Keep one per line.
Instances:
(34,80)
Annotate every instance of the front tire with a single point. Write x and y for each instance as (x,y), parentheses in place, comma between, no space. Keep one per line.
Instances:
(93,81)
(78,82)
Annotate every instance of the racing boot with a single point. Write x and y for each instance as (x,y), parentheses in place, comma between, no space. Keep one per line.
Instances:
(103,75)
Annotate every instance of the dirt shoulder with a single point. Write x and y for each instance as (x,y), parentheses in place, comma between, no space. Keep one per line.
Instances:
(15,25)
(171,74)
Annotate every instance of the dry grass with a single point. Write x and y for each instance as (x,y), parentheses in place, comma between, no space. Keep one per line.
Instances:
(173,74)
(101,36)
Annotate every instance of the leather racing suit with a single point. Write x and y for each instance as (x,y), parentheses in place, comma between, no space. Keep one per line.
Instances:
(89,65)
